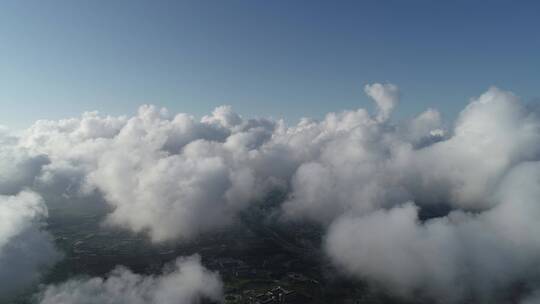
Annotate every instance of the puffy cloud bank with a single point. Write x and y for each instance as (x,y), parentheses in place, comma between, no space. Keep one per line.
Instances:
(186,281)
(447,213)
(456,257)
(25,248)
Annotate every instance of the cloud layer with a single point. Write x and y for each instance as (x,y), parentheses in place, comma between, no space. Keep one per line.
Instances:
(447,213)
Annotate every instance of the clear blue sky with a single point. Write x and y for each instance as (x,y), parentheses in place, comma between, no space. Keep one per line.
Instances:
(265,58)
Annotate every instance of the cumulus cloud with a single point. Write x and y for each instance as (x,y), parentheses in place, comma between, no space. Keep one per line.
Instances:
(18,168)
(461,256)
(492,134)
(358,180)
(424,130)
(185,281)
(183,177)
(367,165)
(384,189)
(386,96)
(25,249)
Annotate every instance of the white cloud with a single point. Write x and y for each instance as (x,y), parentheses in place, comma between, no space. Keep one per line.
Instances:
(174,177)
(25,249)
(18,168)
(386,96)
(186,281)
(461,256)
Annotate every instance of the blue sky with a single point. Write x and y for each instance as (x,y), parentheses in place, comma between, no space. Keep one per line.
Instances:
(265,58)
